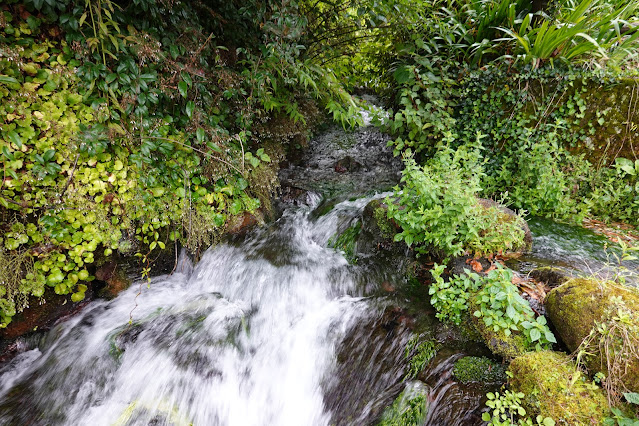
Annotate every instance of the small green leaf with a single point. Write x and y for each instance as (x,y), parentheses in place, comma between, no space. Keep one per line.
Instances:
(76,297)
(175,52)
(632,397)
(183,88)
(15,138)
(190,106)
(48,155)
(535,335)
(7,80)
(201,134)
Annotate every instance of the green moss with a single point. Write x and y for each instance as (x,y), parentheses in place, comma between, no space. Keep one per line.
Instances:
(420,354)
(409,409)
(580,305)
(498,342)
(385,225)
(346,240)
(554,387)
(478,369)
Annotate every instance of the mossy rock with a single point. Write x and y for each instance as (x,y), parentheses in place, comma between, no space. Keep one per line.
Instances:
(498,342)
(378,230)
(478,369)
(376,220)
(576,306)
(555,388)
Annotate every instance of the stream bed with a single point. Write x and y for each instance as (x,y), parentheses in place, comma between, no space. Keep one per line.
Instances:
(274,328)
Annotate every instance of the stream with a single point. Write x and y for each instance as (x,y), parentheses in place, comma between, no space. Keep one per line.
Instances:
(275,328)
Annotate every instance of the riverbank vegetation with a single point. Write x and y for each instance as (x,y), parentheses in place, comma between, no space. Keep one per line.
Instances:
(128,127)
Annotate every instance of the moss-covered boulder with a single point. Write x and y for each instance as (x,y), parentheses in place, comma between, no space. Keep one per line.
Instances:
(478,369)
(583,305)
(378,230)
(554,387)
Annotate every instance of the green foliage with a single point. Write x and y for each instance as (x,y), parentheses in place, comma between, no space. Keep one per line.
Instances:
(620,418)
(127,127)
(437,208)
(499,304)
(506,410)
(450,299)
(419,353)
(478,369)
(502,309)
(590,29)
(535,122)
(346,240)
(425,113)
(409,409)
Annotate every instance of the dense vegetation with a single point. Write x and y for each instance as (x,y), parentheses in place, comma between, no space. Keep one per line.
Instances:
(127,126)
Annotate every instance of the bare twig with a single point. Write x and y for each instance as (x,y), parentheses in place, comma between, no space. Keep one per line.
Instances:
(75,164)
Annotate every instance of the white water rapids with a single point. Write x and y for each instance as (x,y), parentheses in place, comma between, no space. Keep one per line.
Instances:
(246,337)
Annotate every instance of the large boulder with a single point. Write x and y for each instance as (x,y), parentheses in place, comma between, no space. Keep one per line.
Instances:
(554,387)
(581,306)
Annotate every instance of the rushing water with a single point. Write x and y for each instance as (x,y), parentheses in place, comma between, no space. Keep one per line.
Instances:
(249,336)
(576,251)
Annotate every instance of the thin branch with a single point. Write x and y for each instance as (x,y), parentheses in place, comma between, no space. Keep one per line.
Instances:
(75,163)
(201,152)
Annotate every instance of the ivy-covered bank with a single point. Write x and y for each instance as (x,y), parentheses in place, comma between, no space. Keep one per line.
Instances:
(129,127)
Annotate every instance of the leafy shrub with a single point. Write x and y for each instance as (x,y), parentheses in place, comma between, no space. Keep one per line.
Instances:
(502,309)
(500,306)
(437,208)
(506,410)
(450,298)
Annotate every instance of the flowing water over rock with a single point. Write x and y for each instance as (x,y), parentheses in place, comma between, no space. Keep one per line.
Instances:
(575,251)
(275,328)
(246,337)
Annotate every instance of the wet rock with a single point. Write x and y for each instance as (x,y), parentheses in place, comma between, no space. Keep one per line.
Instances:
(369,370)
(578,306)
(43,313)
(378,230)
(341,165)
(114,277)
(550,275)
(242,224)
(556,388)
(291,194)
(347,164)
